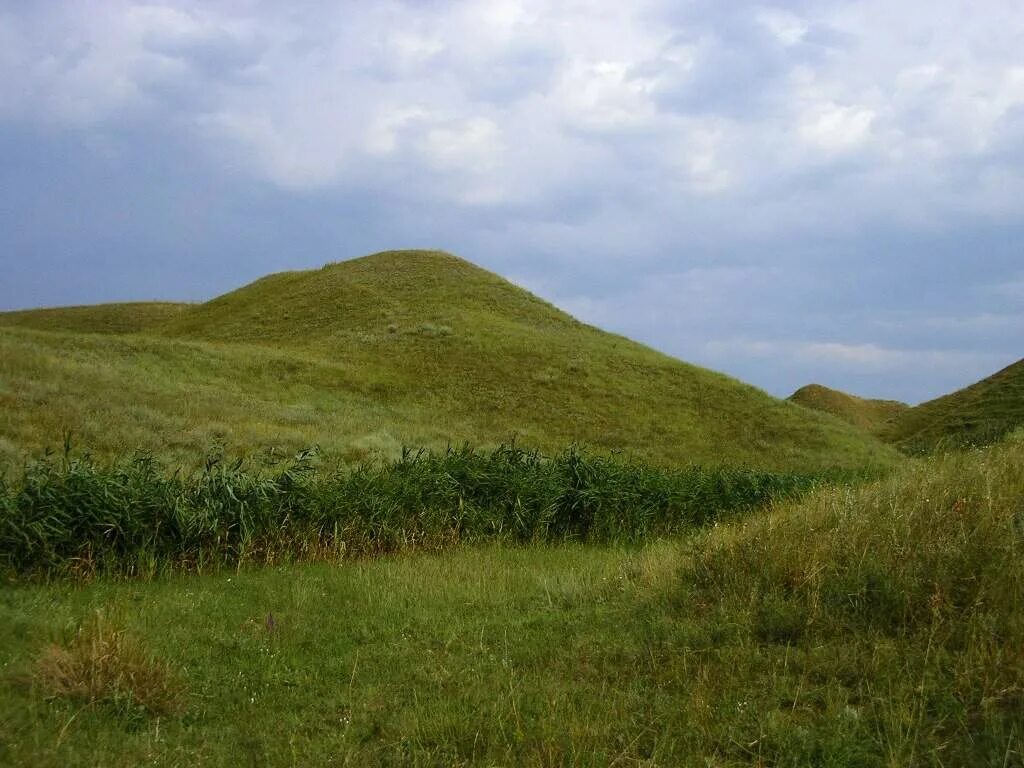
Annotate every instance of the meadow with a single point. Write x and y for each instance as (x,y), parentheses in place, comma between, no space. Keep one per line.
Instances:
(876,624)
(600,555)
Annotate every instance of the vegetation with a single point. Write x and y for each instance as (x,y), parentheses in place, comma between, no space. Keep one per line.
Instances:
(875,625)
(980,414)
(132,317)
(874,416)
(74,517)
(614,609)
(362,357)
(103,665)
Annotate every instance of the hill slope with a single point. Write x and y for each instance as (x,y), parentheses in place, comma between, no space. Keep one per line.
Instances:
(129,317)
(402,347)
(980,414)
(874,416)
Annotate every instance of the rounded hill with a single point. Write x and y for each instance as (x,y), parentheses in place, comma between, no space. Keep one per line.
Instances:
(413,347)
(874,416)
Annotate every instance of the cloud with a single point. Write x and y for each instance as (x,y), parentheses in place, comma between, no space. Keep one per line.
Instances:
(837,128)
(709,99)
(684,172)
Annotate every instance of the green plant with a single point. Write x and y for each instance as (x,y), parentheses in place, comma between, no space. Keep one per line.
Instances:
(103,665)
(70,515)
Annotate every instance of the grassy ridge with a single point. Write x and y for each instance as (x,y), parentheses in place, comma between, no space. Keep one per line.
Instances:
(130,317)
(71,516)
(872,626)
(980,414)
(874,416)
(410,347)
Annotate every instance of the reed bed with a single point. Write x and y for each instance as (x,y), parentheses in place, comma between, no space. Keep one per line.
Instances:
(68,515)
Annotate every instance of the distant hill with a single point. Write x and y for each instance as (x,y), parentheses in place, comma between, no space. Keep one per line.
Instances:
(415,347)
(874,416)
(129,317)
(980,414)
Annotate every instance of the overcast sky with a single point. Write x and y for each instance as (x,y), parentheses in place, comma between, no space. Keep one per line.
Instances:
(788,192)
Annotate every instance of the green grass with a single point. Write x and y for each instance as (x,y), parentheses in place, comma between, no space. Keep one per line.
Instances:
(410,347)
(879,625)
(980,414)
(132,317)
(874,416)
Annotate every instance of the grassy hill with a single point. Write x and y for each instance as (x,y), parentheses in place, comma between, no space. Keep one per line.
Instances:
(130,317)
(874,416)
(980,414)
(872,626)
(412,347)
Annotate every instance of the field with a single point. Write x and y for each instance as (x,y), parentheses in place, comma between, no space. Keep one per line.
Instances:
(218,549)
(875,625)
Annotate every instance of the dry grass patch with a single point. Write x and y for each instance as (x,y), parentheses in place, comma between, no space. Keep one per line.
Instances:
(103,664)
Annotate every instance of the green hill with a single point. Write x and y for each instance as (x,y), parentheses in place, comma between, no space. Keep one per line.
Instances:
(130,317)
(413,347)
(980,414)
(874,416)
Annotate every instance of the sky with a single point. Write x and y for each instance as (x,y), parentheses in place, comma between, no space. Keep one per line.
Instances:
(787,192)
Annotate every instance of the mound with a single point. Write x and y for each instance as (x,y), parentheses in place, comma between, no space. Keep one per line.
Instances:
(129,317)
(874,416)
(400,347)
(980,414)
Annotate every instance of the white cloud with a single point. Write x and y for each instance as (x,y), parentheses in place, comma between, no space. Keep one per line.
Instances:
(856,357)
(837,128)
(605,96)
(331,89)
(787,28)
(717,146)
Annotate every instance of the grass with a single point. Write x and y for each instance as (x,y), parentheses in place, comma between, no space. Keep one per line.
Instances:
(874,416)
(70,516)
(102,665)
(876,625)
(130,317)
(980,414)
(610,611)
(362,357)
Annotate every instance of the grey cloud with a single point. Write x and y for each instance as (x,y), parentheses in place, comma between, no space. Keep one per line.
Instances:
(837,182)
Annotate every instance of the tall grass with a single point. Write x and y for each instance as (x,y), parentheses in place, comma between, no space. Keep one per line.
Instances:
(918,579)
(70,515)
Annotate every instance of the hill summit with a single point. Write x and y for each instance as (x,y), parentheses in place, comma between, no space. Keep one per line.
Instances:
(414,347)
(874,416)
(977,415)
